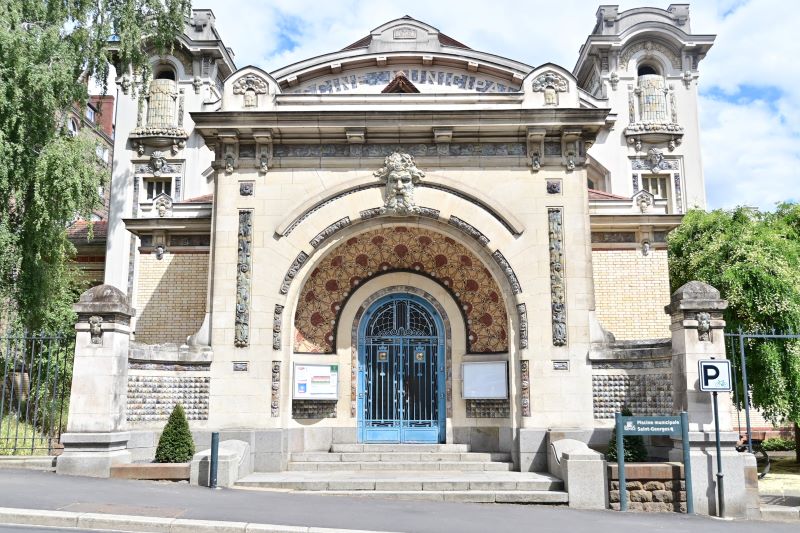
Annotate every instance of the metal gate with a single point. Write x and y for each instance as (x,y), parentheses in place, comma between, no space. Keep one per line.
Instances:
(401,372)
(36,372)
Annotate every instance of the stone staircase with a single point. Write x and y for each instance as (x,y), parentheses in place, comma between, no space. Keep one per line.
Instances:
(444,472)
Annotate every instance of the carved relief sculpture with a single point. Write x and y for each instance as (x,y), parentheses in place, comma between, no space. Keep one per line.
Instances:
(525,386)
(550,79)
(250,86)
(95,329)
(557,289)
(297,264)
(401,175)
(522,312)
(275,405)
(704,327)
(243,270)
(162,205)
(230,163)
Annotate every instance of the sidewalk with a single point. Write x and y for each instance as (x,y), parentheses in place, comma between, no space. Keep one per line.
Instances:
(167,507)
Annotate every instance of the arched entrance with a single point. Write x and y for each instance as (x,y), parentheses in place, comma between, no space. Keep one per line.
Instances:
(401,371)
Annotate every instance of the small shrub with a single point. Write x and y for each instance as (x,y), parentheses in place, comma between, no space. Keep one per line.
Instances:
(777,444)
(635,450)
(176,444)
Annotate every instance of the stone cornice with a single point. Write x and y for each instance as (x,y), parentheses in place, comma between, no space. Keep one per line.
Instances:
(399,126)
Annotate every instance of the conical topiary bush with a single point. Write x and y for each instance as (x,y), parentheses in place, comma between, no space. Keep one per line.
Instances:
(635,450)
(176,444)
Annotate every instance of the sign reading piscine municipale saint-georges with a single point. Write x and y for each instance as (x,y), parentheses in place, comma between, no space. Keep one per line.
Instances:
(651,425)
(315,382)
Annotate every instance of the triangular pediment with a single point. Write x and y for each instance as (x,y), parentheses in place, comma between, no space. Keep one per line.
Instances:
(400,84)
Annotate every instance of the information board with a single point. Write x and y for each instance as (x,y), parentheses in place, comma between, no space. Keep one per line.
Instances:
(315,382)
(651,425)
(485,380)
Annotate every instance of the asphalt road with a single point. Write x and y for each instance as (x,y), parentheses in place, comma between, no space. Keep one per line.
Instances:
(44,490)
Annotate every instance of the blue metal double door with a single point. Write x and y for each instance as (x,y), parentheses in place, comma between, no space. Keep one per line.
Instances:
(401,377)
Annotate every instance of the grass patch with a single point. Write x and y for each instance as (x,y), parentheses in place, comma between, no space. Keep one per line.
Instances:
(17,438)
(784,465)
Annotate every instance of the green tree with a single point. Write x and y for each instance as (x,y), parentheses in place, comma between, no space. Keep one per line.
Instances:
(176,444)
(753,258)
(635,450)
(49,50)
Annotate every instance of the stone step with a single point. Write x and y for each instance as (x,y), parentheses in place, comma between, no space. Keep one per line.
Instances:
(402,481)
(457,466)
(406,456)
(412,448)
(471,496)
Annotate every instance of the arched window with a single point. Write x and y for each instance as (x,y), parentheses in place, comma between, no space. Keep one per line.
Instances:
(652,91)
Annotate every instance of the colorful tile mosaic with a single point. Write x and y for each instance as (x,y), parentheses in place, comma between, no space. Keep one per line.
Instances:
(401,248)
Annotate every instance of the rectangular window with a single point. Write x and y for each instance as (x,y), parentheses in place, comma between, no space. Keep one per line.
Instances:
(156,187)
(657,186)
(89,114)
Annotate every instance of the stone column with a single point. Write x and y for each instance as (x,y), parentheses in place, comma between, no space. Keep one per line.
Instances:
(697,333)
(96,434)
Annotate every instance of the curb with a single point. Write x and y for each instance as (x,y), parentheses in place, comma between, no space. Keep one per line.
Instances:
(779,513)
(129,523)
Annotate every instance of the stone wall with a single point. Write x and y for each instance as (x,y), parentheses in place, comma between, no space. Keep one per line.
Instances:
(171,298)
(652,487)
(630,291)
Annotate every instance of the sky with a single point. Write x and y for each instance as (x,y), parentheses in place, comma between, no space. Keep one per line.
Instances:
(749,82)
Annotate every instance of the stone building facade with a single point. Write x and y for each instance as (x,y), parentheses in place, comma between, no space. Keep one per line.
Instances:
(328,252)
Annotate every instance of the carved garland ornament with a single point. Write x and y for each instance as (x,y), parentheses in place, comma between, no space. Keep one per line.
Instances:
(401,175)
(557,292)
(243,270)
(276,327)
(250,82)
(550,79)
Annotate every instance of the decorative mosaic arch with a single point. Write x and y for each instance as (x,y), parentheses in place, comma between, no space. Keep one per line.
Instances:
(401,248)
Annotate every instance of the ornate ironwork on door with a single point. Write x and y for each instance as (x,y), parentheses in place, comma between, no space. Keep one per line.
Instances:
(401,372)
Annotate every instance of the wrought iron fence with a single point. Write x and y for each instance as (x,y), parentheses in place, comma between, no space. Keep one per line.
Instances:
(738,342)
(36,373)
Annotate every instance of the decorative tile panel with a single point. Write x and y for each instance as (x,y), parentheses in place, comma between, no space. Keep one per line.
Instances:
(152,398)
(313,409)
(413,249)
(644,394)
(488,409)
(525,386)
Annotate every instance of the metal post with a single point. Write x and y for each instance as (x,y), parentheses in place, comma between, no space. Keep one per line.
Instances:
(212,471)
(745,393)
(623,489)
(720,489)
(687,463)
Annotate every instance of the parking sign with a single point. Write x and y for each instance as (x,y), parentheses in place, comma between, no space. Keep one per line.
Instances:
(715,375)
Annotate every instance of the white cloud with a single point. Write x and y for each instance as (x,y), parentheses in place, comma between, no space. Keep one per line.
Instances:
(750,145)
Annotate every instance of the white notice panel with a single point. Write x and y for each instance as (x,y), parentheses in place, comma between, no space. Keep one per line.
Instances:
(485,380)
(315,382)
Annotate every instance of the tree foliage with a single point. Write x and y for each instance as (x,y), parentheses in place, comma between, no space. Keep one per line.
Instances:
(635,449)
(175,444)
(753,258)
(49,50)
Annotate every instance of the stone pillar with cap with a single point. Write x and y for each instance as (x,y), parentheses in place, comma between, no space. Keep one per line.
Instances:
(97,435)
(698,333)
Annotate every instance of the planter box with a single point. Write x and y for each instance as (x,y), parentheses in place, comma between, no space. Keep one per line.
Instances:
(153,471)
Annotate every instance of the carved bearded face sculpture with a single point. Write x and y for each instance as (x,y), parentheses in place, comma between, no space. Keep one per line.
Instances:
(401,175)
